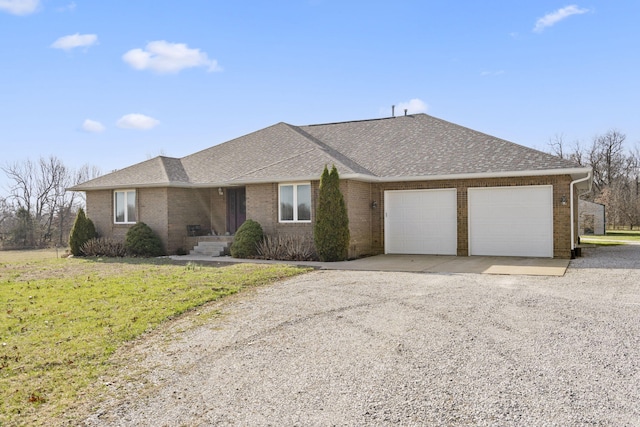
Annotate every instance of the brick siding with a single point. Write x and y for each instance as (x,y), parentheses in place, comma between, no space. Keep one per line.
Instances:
(168,211)
(561,213)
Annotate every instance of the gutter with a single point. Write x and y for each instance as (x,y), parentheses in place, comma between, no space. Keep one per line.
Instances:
(577,181)
(353,176)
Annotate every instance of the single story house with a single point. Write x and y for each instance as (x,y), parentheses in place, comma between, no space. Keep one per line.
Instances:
(591,218)
(413,184)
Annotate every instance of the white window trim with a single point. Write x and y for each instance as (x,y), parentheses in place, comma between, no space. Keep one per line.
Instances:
(295,203)
(126,211)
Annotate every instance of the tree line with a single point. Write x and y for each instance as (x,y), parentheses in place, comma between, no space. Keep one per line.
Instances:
(37,211)
(616,174)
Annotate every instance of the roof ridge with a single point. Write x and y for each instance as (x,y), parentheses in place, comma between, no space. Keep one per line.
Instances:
(347,161)
(363,120)
(180,170)
(282,160)
(164,167)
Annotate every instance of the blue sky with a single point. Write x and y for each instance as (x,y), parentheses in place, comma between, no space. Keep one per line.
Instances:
(112,83)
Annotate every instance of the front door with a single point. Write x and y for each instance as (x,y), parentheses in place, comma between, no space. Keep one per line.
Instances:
(236,208)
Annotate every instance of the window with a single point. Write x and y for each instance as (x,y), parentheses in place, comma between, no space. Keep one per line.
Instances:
(124,207)
(295,203)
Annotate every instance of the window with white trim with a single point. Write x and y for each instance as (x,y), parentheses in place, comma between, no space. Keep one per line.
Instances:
(294,203)
(124,204)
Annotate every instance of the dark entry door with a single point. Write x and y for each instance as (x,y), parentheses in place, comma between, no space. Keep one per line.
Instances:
(236,208)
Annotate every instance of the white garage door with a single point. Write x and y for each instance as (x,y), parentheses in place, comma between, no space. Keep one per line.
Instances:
(421,222)
(511,221)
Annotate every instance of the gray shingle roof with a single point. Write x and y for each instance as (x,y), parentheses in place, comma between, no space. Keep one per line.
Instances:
(421,145)
(405,147)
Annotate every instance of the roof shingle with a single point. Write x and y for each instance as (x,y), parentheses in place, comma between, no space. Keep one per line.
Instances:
(396,147)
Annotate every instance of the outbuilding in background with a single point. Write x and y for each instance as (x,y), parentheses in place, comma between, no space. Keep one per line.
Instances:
(591,218)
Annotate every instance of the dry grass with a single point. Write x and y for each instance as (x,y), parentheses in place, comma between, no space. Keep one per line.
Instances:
(62,318)
(613,237)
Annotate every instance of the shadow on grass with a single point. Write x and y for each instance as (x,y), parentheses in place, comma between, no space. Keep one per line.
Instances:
(623,233)
(154,261)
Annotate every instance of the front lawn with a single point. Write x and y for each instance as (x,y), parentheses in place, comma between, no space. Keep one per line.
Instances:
(61,319)
(612,237)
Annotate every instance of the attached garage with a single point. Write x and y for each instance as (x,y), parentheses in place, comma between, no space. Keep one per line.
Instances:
(421,222)
(511,221)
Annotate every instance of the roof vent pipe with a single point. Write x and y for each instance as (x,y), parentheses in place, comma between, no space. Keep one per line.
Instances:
(393,111)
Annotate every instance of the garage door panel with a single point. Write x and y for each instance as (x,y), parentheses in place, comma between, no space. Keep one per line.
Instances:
(511,221)
(421,222)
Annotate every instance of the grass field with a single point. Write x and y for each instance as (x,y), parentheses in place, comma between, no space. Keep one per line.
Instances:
(613,237)
(62,318)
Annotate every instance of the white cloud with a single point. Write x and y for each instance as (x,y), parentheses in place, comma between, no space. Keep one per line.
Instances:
(93,126)
(19,7)
(414,106)
(75,40)
(70,7)
(163,57)
(492,73)
(137,121)
(553,18)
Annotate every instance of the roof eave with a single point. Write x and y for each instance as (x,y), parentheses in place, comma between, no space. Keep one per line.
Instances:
(575,173)
(122,186)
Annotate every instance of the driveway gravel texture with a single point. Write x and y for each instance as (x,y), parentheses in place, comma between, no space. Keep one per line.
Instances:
(352,348)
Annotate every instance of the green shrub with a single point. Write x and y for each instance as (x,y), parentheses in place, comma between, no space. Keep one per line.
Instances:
(331,229)
(82,231)
(142,241)
(245,242)
(101,246)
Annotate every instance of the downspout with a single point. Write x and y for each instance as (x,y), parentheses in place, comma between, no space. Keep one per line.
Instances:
(573,244)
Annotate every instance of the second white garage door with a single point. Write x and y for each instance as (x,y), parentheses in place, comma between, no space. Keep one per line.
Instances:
(421,222)
(511,221)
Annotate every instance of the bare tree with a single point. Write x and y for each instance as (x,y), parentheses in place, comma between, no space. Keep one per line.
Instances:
(616,174)
(38,192)
(556,144)
(607,158)
(5,219)
(558,147)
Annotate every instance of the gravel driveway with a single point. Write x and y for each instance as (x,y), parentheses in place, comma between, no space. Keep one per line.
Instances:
(364,348)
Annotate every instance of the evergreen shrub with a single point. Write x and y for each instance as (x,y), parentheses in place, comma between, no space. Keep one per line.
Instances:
(143,242)
(331,229)
(246,240)
(82,231)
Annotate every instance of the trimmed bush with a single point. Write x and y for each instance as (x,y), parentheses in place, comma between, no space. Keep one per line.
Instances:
(142,241)
(245,242)
(101,246)
(331,229)
(82,231)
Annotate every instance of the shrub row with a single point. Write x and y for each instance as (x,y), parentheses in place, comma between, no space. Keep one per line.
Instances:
(287,248)
(101,246)
(140,241)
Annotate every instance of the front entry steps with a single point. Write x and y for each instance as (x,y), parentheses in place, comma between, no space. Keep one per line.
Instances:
(213,246)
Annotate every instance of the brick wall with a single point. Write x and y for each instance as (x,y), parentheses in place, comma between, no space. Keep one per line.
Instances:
(186,206)
(561,213)
(152,204)
(359,209)
(218,217)
(151,208)
(100,211)
(262,205)
(169,210)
